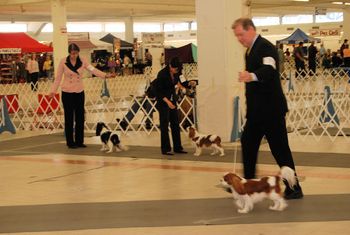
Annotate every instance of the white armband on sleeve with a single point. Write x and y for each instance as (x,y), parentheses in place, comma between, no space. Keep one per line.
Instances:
(269,61)
(90,67)
(255,78)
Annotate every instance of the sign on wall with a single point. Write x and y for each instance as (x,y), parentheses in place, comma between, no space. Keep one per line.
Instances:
(10,50)
(153,38)
(325,32)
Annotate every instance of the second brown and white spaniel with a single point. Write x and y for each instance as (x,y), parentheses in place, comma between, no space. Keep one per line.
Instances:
(247,192)
(202,141)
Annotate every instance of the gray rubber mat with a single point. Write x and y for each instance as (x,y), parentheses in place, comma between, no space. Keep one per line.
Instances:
(164,213)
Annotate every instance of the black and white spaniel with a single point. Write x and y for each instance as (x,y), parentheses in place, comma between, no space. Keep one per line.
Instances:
(109,139)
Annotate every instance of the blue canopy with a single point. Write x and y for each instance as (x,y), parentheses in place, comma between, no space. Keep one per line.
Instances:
(298,36)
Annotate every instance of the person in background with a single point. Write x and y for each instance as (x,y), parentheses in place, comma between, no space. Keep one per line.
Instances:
(346,56)
(266,103)
(287,55)
(299,58)
(342,47)
(33,72)
(281,59)
(162,60)
(47,67)
(73,98)
(327,61)
(312,52)
(148,58)
(127,63)
(165,92)
(322,51)
(336,59)
(111,64)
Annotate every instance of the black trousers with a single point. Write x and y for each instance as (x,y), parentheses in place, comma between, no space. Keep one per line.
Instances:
(300,68)
(312,66)
(166,116)
(276,134)
(34,81)
(73,105)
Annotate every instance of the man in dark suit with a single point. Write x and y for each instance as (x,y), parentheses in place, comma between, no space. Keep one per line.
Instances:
(266,103)
(312,53)
(165,83)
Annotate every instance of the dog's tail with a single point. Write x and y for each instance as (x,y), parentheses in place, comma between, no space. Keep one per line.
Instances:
(288,174)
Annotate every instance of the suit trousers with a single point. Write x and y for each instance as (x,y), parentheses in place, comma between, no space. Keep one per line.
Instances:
(166,116)
(34,81)
(73,105)
(275,132)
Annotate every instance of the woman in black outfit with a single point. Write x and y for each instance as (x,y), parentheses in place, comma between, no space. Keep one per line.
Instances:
(165,83)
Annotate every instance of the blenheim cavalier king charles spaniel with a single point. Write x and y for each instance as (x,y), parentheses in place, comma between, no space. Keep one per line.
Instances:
(247,192)
(201,141)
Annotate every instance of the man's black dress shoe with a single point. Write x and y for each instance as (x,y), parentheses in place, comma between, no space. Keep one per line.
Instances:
(73,146)
(180,151)
(293,194)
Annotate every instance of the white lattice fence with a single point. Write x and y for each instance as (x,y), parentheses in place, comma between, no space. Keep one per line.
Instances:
(125,95)
(319,105)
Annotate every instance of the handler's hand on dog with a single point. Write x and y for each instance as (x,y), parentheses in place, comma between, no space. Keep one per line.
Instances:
(244,76)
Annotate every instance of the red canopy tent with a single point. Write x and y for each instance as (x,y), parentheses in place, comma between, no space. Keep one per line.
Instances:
(20,43)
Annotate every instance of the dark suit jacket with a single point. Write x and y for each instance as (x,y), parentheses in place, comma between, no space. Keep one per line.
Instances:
(265,98)
(165,86)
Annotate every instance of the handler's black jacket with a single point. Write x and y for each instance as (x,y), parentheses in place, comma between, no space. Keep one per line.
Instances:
(165,86)
(265,98)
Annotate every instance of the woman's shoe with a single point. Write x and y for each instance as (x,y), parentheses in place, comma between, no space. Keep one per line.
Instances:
(81,146)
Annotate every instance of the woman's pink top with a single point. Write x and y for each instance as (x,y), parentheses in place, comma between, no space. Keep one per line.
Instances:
(73,82)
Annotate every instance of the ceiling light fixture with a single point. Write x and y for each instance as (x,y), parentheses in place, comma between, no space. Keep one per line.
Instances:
(337,3)
(300,0)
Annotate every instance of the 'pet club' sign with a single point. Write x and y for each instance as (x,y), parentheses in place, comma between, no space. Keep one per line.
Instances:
(325,32)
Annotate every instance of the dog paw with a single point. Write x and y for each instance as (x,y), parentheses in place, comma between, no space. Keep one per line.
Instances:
(196,154)
(221,155)
(242,211)
(212,154)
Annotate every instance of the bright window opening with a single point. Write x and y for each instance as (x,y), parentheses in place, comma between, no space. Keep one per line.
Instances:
(171,27)
(297,19)
(330,17)
(84,27)
(147,27)
(265,21)
(115,27)
(8,27)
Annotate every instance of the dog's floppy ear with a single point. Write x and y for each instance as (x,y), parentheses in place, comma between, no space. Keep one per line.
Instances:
(235,182)
(191,132)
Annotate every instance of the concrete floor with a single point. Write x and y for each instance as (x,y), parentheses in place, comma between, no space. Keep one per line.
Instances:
(47,188)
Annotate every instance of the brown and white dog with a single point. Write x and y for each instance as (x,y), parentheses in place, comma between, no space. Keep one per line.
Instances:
(247,192)
(201,141)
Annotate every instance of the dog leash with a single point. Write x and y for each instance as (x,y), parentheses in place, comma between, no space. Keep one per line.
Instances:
(235,157)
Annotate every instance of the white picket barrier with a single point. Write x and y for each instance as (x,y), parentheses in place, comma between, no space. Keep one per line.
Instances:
(126,95)
(311,111)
